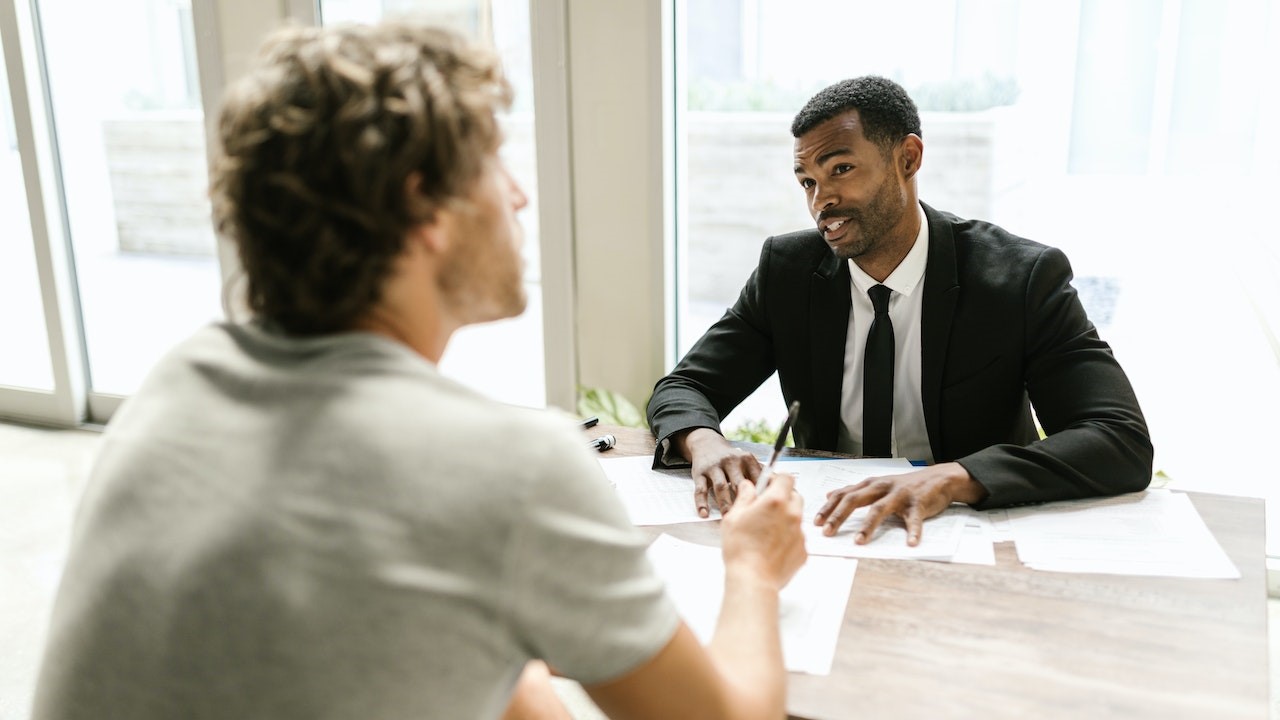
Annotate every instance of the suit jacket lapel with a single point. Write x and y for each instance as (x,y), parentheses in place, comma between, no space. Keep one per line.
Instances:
(828,325)
(941,291)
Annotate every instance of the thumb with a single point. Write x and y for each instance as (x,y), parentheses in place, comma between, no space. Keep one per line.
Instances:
(786,482)
(746,494)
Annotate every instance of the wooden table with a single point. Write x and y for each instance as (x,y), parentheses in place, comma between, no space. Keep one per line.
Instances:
(936,640)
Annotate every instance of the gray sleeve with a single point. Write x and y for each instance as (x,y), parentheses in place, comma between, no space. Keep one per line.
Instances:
(583,595)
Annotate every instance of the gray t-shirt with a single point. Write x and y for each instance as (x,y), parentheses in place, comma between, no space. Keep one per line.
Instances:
(328,528)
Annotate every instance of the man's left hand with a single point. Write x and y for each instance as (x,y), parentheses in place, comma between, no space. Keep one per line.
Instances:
(914,497)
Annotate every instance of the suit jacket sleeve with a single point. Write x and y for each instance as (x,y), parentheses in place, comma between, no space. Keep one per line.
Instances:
(726,365)
(1097,441)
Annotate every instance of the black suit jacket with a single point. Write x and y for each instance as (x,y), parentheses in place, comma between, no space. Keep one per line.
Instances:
(1001,330)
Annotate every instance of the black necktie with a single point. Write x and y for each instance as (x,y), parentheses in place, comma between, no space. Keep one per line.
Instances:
(877,379)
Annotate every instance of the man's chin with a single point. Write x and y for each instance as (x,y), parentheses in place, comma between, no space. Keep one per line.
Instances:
(848,249)
(507,308)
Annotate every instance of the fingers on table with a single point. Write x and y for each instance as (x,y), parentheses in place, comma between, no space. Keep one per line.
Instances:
(875,492)
(876,513)
(701,491)
(722,488)
(914,519)
(840,503)
(850,488)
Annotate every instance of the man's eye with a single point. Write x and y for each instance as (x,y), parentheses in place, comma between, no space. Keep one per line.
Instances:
(806,183)
(841,169)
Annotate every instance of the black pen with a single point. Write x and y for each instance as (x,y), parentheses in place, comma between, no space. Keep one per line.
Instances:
(604,442)
(763,481)
(590,422)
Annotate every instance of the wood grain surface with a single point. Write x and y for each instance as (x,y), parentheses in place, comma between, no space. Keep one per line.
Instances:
(938,640)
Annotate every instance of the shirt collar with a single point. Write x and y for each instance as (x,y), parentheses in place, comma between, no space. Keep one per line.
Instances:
(910,272)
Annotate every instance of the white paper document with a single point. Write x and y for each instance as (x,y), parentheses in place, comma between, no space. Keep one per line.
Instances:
(811,606)
(995,523)
(654,497)
(1155,532)
(976,547)
(940,539)
(665,497)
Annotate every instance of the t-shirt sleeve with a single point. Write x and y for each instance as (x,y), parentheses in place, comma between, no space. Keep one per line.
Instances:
(583,594)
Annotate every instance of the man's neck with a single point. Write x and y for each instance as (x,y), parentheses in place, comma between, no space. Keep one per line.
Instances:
(411,310)
(881,263)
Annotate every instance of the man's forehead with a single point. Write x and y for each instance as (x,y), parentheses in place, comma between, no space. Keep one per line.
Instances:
(844,130)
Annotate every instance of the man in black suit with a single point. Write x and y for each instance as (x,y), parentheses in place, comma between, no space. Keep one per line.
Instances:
(979,326)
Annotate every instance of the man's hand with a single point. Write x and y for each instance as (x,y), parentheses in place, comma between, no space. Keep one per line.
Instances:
(718,467)
(914,497)
(762,538)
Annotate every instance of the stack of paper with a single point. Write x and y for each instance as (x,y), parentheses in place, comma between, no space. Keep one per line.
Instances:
(811,607)
(665,497)
(1149,533)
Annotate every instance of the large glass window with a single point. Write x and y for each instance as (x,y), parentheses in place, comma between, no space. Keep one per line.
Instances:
(1134,136)
(503,359)
(24,363)
(130,136)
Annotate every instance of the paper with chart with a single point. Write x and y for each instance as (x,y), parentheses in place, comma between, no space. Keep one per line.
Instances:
(940,539)
(1156,532)
(811,606)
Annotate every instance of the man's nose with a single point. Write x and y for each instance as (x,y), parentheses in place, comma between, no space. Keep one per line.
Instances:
(518,199)
(823,199)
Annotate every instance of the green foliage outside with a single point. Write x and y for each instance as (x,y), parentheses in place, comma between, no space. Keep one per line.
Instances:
(966,94)
(611,407)
(614,409)
(758,431)
(956,95)
(742,96)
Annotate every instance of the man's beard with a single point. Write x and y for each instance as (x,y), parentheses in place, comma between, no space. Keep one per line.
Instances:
(874,222)
(482,283)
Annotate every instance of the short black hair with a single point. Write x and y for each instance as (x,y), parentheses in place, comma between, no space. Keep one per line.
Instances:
(886,111)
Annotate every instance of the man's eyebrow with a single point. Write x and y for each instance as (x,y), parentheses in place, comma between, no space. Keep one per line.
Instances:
(824,157)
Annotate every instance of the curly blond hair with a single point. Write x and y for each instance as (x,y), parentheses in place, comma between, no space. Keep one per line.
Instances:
(315,151)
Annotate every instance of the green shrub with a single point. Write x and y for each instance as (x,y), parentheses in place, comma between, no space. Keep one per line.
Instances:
(611,407)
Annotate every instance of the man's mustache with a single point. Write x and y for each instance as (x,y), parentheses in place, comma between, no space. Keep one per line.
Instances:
(838,213)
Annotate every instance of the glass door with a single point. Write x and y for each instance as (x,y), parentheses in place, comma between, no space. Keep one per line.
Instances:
(41,374)
(503,359)
(131,143)
(108,255)
(25,362)
(1135,137)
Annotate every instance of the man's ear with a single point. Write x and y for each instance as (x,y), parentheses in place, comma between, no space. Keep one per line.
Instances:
(429,236)
(910,155)
(432,233)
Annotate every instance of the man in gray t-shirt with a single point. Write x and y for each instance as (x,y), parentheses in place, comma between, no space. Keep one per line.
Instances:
(298,517)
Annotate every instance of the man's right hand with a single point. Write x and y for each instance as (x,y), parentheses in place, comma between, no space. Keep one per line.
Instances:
(762,536)
(718,468)
(741,672)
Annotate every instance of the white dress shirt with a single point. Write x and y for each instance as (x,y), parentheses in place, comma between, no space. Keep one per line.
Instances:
(910,438)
